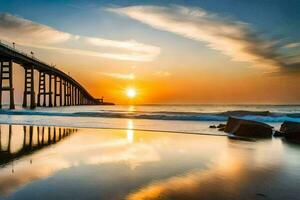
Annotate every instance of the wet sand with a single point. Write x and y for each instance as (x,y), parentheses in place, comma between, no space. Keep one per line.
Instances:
(68,163)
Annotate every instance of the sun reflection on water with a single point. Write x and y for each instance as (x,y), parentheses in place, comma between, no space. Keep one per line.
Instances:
(131,108)
(130,131)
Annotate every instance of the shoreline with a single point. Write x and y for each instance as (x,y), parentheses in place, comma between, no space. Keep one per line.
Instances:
(112,128)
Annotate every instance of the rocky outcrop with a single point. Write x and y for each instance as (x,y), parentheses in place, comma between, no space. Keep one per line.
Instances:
(278,134)
(248,128)
(291,131)
(221,127)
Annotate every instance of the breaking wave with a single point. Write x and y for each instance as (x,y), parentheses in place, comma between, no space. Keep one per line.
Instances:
(263,116)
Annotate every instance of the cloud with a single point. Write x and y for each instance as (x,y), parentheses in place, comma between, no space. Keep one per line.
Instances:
(132,57)
(231,37)
(128,45)
(81,52)
(292,45)
(28,33)
(120,76)
(20,30)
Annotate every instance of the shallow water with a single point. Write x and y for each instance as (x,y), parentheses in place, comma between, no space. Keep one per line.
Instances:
(128,164)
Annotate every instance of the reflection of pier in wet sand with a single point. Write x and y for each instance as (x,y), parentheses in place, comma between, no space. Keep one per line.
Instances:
(34,139)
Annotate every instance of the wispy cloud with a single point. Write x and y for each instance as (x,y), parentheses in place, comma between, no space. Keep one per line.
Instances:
(231,37)
(128,45)
(20,30)
(116,56)
(120,76)
(292,45)
(28,33)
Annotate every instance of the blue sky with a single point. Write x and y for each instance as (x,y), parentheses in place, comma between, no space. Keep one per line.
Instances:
(282,17)
(263,13)
(274,18)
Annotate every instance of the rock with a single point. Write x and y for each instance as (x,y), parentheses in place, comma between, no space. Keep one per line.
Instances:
(232,124)
(291,131)
(278,134)
(221,126)
(288,127)
(248,128)
(221,129)
(212,126)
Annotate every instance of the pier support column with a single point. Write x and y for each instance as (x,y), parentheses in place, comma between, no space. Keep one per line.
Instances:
(55,90)
(76,96)
(6,74)
(29,87)
(68,93)
(50,91)
(60,92)
(81,99)
(72,95)
(65,93)
(42,89)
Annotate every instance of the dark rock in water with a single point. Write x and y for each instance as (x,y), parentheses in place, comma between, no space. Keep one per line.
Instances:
(221,129)
(291,131)
(288,127)
(253,130)
(212,126)
(278,134)
(248,128)
(221,126)
(232,124)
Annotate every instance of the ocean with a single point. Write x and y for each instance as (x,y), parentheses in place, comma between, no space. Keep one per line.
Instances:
(148,152)
(176,118)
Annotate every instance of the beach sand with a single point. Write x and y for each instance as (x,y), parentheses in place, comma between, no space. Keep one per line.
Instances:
(109,164)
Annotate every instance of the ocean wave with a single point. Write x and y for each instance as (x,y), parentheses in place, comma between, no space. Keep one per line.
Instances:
(263,116)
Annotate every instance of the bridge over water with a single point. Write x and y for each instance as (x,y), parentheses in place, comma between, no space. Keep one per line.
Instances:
(66,91)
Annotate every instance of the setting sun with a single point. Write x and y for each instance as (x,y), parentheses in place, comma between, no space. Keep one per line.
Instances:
(131,92)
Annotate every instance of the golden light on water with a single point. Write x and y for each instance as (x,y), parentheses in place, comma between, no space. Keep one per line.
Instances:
(130,131)
(131,92)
